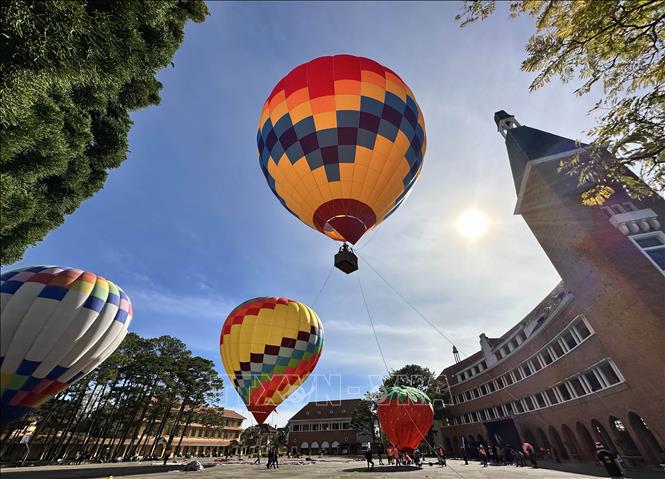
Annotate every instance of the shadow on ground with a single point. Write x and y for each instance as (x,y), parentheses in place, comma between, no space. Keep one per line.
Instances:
(384,469)
(88,472)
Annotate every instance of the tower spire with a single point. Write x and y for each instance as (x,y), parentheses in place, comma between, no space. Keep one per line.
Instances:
(504,122)
(456,354)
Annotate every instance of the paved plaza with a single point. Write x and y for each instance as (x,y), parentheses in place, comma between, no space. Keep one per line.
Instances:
(316,469)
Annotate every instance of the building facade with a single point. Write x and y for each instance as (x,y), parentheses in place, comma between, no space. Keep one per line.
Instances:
(194,439)
(325,428)
(205,440)
(587,364)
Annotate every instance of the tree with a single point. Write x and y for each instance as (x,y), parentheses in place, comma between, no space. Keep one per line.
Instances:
(364,417)
(137,395)
(616,45)
(71,71)
(421,378)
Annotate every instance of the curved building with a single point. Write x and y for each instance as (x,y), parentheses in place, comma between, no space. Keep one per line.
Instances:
(587,364)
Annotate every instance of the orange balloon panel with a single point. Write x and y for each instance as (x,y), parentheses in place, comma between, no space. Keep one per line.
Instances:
(269,346)
(341,142)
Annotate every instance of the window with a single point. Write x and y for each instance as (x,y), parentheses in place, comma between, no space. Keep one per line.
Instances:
(325,427)
(483,365)
(618,425)
(505,351)
(490,386)
(570,341)
(295,427)
(315,427)
(608,373)
(522,336)
(556,349)
(509,408)
(563,391)
(345,425)
(526,369)
(305,427)
(335,426)
(551,395)
(498,412)
(513,344)
(498,355)
(592,380)
(547,357)
(629,206)
(467,395)
(652,246)
(540,400)
(529,403)
(508,379)
(475,416)
(499,383)
(577,386)
(535,362)
(483,389)
(581,328)
(518,407)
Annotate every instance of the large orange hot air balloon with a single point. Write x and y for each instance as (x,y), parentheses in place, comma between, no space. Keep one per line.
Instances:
(269,346)
(405,414)
(341,142)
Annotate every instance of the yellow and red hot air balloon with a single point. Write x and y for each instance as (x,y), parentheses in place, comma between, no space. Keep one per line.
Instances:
(269,346)
(341,142)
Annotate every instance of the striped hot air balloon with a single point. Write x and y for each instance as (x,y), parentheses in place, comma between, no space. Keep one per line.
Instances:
(269,346)
(341,142)
(57,324)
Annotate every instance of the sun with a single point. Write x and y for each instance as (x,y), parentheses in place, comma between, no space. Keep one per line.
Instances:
(473,224)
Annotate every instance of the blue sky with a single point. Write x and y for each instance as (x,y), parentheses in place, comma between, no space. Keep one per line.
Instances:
(188,227)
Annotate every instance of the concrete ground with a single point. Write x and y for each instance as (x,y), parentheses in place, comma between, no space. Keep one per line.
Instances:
(328,468)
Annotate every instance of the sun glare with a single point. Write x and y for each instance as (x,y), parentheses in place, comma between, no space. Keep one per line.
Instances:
(472,224)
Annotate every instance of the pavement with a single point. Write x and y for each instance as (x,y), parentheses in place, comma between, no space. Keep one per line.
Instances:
(327,468)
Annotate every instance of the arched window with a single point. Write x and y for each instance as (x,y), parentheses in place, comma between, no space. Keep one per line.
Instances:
(645,436)
(543,442)
(601,435)
(558,443)
(587,441)
(570,441)
(531,439)
(624,440)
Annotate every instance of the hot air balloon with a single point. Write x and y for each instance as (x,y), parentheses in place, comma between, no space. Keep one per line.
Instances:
(58,324)
(269,346)
(341,142)
(405,414)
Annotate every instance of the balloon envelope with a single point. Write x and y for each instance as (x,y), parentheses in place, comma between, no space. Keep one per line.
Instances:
(341,142)
(58,324)
(405,414)
(269,346)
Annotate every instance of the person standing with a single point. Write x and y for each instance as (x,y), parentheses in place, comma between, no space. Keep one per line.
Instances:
(416,458)
(389,455)
(368,457)
(483,455)
(442,456)
(610,460)
(530,453)
(464,452)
